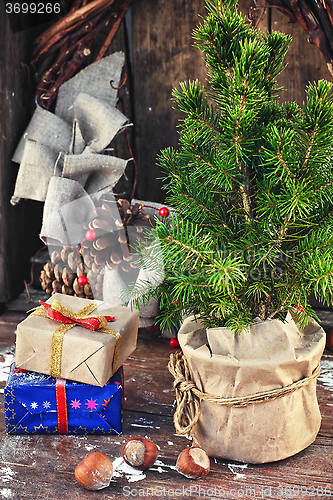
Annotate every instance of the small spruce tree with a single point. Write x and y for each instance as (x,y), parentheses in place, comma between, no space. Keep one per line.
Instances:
(251,185)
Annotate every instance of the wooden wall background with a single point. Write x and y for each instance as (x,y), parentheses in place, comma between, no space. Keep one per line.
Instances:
(156,37)
(19,225)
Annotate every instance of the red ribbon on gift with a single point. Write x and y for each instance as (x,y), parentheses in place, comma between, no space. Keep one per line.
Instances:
(91,322)
(62,416)
(16,370)
(69,319)
(61,399)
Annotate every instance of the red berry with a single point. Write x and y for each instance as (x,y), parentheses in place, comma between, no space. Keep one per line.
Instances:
(90,235)
(163,212)
(174,343)
(82,280)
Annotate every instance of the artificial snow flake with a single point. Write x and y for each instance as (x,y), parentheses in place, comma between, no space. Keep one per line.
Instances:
(46,405)
(34,405)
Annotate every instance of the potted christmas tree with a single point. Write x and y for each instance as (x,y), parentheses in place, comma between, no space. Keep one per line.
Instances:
(252,187)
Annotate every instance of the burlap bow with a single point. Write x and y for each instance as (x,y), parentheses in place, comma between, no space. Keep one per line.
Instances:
(61,154)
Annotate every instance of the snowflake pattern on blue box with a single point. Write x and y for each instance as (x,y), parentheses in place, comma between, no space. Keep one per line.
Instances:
(31,405)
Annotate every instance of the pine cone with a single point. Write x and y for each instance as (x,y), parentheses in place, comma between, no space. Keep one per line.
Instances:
(61,274)
(118,233)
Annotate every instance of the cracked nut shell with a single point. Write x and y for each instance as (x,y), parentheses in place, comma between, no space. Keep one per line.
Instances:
(193,463)
(140,453)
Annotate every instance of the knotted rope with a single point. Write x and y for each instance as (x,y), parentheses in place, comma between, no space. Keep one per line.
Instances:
(188,396)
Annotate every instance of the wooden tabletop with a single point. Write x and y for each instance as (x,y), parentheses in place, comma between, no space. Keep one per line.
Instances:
(41,467)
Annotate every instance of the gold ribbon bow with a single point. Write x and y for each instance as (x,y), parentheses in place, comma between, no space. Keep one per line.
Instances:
(55,311)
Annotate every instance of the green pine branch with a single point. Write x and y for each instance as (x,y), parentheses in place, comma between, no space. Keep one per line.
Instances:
(251,185)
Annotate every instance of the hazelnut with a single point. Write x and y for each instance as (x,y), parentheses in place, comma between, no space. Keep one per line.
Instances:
(140,453)
(95,471)
(193,463)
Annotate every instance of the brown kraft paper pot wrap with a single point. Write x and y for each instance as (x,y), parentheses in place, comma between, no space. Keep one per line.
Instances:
(270,355)
(87,356)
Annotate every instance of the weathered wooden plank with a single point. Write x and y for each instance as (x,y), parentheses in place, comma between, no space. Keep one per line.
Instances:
(19,225)
(163,56)
(120,144)
(39,467)
(156,393)
(304,61)
(51,461)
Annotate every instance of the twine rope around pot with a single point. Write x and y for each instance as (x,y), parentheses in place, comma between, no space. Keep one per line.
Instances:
(188,396)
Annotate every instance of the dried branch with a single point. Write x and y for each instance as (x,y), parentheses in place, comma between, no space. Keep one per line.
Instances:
(54,42)
(329,9)
(64,47)
(69,38)
(80,14)
(316,18)
(113,30)
(81,52)
(75,5)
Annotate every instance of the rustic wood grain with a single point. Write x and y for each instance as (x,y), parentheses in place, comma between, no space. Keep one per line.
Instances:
(122,143)
(157,36)
(163,56)
(19,225)
(41,467)
(304,61)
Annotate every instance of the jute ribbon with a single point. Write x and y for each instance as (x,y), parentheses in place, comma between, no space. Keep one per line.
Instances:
(57,312)
(188,396)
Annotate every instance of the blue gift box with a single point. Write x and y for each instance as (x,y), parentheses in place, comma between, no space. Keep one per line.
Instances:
(40,404)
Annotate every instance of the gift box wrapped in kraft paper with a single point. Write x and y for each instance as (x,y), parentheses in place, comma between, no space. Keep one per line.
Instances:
(40,404)
(253,396)
(67,348)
